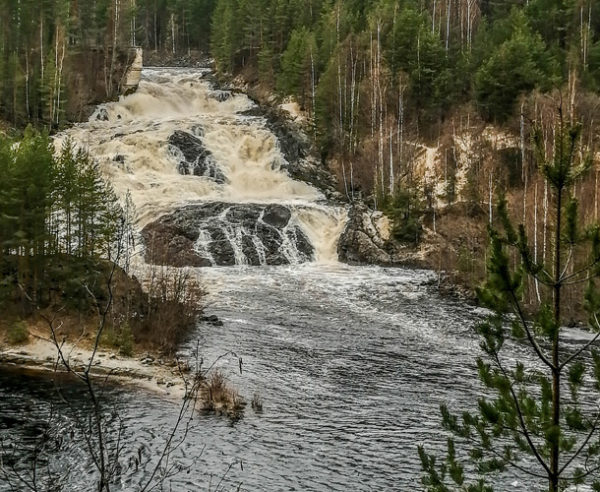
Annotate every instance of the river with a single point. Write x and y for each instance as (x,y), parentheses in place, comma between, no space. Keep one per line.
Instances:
(351,363)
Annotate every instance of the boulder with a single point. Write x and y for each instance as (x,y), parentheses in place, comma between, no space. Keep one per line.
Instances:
(362,241)
(276,216)
(193,157)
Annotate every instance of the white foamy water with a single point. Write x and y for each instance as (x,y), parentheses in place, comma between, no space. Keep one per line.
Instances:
(130,140)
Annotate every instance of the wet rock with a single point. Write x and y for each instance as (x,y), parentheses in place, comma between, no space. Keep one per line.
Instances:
(102,115)
(221,96)
(212,320)
(168,243)
(227,234)
(194,158)
(276,215)
(119,158)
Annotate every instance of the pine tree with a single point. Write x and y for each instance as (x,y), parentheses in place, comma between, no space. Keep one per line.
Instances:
(541,418)
(295,76)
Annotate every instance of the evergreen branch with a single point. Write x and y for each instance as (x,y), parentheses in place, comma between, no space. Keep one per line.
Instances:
(567,263)
(531,444)
(587,268)
(530,337)
(583,475)
(548,281)
(585,347)
(578,281)
(583,444)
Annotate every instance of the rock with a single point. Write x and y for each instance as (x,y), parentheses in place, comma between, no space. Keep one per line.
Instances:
(193,157)
(133,75)
(168,243)
(212,320)
(220,96)
(119,158)
(361,242)
(276,215)
(227,234)
(102,115)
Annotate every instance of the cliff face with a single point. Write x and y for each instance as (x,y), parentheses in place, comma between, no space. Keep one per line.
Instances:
(133,74)
(89,81)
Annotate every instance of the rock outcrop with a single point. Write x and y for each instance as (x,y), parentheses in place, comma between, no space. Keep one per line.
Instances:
(365,239)
(227,234)
(133,75)
(193,157)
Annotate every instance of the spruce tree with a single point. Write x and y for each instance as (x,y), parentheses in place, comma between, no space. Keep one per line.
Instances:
(540,416)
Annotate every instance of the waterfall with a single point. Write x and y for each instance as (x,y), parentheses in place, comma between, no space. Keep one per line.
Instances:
(207,176)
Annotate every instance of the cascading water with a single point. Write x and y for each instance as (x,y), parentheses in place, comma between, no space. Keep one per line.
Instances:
(206,176)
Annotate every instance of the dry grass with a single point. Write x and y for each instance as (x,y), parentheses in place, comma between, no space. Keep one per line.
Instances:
(217,395)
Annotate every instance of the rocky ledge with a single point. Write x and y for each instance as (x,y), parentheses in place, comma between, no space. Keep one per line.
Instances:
(211,234)
(365,239)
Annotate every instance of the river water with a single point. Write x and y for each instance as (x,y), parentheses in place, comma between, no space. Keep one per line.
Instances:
(351,363)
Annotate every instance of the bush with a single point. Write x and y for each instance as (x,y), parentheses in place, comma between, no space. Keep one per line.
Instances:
(125,341)
(17,333)
(120,338)
(406,213)
(218,396)
(176,301)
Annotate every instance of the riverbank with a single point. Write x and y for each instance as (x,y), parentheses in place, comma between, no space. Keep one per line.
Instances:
(37,349)
(173,376)
(147,371)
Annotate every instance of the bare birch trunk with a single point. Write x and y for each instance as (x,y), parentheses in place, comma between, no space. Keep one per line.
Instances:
(535,238)
(491,197)
(448,7)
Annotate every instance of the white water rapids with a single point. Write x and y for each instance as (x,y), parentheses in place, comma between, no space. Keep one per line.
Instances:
(130,140)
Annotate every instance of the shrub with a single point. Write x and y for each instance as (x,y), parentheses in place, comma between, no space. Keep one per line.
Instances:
(125,340)
(121,338)
(218,396)
(176,301)
(17,333)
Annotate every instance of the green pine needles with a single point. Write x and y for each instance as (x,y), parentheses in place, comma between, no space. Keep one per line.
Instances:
(540,419)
